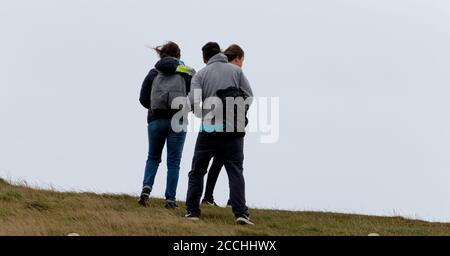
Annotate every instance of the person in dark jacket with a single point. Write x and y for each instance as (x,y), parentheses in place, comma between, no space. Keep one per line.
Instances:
(235,56)
(213,139)
(160,128)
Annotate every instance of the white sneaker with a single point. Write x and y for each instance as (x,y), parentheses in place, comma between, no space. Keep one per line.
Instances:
(190,216)
(244,220)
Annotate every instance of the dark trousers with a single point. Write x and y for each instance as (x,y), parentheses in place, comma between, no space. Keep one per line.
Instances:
(231,150)
(213,176)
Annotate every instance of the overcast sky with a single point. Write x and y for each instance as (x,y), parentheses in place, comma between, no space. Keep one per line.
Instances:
(364,91)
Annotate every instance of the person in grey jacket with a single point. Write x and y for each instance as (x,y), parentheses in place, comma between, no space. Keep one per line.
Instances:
(236,56)
(213,140)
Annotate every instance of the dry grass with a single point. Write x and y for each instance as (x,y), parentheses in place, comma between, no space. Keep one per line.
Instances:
(28,211)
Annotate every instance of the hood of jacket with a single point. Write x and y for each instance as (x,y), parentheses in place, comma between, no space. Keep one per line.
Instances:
(220,57)
(167,65)
(170,65)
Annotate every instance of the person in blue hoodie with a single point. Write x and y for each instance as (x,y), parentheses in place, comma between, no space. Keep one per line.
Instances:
(160,129)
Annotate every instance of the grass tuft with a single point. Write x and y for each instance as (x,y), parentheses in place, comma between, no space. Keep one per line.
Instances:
(3,182)
(38,206)
(9,196)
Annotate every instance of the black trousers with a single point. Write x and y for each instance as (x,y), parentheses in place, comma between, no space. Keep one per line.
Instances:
(213,176)
(228,148)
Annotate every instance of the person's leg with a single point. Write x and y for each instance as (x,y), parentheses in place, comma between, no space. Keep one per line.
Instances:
(205,149)
(175,144)
(157,137)
(211,181)
(233,153)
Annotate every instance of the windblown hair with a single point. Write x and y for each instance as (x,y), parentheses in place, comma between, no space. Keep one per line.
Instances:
(170,49)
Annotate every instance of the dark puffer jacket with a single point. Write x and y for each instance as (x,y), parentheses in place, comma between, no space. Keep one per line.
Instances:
(167,65)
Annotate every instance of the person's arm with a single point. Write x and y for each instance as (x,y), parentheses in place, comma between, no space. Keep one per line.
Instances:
(188,81)
(244,84)
(195,95)
(146,89)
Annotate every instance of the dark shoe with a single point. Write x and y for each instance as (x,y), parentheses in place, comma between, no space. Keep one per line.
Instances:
(191,216)
(171,205)
(209,202)
(229,204)
(244,220)
(145,197)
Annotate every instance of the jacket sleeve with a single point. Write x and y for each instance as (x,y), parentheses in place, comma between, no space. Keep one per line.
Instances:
(244,84)
(146,89)
(195,94)
(188,80)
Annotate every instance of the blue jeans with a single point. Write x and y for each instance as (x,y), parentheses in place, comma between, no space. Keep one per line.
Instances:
(160,131)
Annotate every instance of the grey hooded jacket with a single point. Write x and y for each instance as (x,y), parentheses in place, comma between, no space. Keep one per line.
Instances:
(217,75)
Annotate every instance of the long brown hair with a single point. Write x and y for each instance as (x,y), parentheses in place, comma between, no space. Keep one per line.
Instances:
(170,49)
(234,52)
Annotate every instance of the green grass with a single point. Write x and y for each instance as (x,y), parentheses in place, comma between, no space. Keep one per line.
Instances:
(28,211)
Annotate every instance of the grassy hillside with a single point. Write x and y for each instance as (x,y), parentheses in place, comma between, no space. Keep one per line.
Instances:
(27,211)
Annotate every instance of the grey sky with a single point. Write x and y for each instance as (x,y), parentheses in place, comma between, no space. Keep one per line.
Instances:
(363,87)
